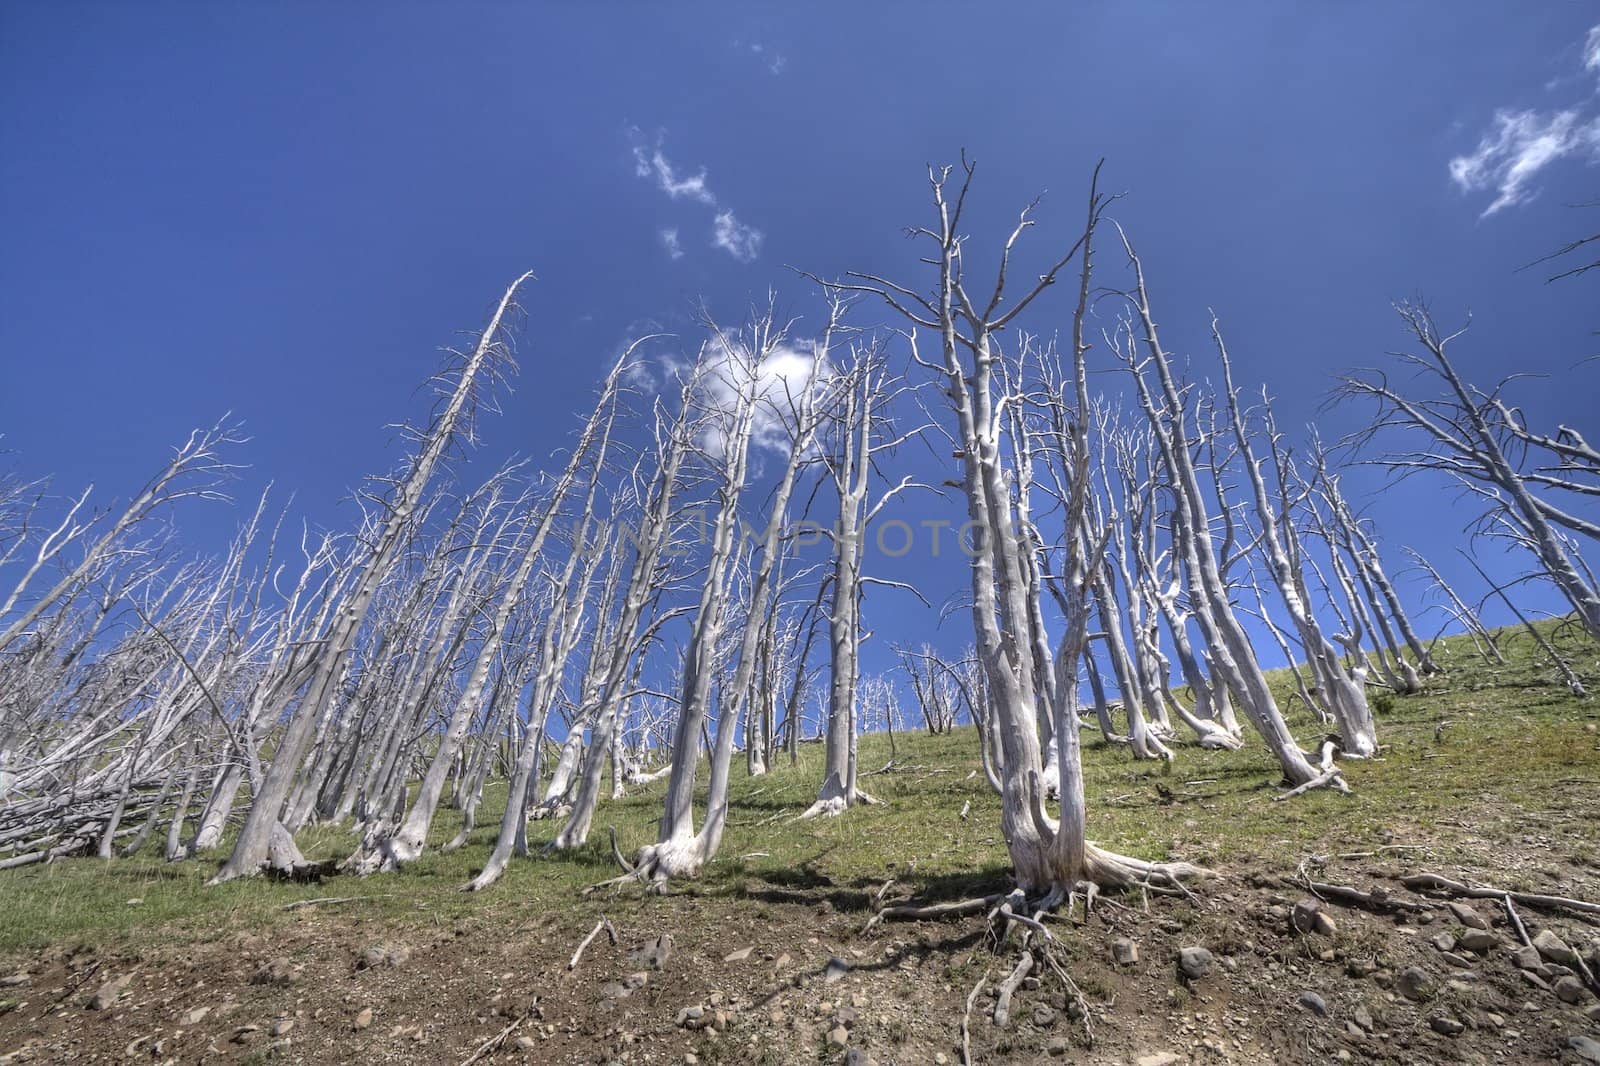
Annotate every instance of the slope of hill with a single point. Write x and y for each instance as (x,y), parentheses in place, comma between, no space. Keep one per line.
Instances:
(1491,777)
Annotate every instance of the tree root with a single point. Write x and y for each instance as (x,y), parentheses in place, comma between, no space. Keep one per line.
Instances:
(1445,886)
(966,1020)
(1008,987)
(1329,778)
(929,912)
(1377,900)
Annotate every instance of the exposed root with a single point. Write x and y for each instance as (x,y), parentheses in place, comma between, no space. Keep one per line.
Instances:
(1377,900)
(285,863)
(933,911)
(1327,779)
(834,805)
(616,852)
(1445,886)
(1002,1002)
(1516,922)
(966,1020)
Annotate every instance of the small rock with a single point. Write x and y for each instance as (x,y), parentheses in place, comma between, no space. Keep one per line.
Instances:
(526,1042)
(1363,1018)
(1309,917)
(1586,1049)
(856,1057)
(1124,952)
(363,1018)
(1354,1031)
(196,1016)
(838,1036)
(109,993)
(1444,941)
(846,1016)
(1415,983)
(1527,958)
(276,972)
(16,980)
(379,956)
(1314,1003)
(688,1016)
(1195,962)
(1445,1025)
(1043,1017)
(244,1034)
(652,954)
(1478,941)
(1160,1058)
(281,1027)
(1467,915)
(1057,1047)
(858,1000)
(835,970)
(1554,949)
(738,956)
(1569,989)
(1459,961)
(782,961)
(1360,968)
(940,1058)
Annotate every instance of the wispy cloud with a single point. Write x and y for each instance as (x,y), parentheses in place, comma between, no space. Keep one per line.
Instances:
(1520,144)
(669,241)
(775,61)
(652,164)
(734,237)
(739,240)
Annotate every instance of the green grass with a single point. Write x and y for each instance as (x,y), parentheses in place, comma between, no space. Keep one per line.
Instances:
(1514,757)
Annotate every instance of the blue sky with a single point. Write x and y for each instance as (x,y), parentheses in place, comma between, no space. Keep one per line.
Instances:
(285,210)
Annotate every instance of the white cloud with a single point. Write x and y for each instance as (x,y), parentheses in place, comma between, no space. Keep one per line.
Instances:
(728,233)
(778,380)
(669,241)
(1520,144)
(655,165)
(737,239)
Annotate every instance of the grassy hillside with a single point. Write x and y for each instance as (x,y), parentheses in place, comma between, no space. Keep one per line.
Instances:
(1492,774)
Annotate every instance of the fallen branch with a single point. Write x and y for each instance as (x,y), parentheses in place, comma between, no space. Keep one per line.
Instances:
(1421,882)
(494,1043)
(603,923)
(329,901)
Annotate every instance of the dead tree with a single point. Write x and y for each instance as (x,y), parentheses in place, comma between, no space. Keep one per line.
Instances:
(386,851)
(1485,444)
(860,433)
(1051,858)
(1341,691)
(256,837)
(1227,642)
